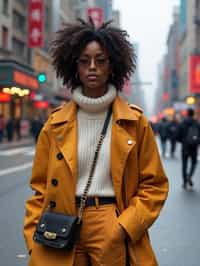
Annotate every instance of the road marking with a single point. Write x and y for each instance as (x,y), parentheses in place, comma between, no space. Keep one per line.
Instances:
(15,169)
(31,152)
(21,256)
(10,152)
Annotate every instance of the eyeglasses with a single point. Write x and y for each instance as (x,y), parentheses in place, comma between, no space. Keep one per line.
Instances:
(86,62)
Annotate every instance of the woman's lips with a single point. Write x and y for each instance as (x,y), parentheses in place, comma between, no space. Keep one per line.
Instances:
(92,77)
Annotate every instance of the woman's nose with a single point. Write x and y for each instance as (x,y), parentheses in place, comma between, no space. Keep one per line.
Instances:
(92,63)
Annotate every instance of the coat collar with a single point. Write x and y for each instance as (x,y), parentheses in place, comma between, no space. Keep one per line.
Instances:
(67,113)
(121,111)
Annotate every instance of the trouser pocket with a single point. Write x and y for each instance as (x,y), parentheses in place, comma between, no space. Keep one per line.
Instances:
(113,250)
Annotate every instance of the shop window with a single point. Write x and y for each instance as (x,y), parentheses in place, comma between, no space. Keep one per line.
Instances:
(18,47)
(5,7)
(19,22)
(4,37)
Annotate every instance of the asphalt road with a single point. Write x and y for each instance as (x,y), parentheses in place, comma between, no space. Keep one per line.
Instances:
(175,235)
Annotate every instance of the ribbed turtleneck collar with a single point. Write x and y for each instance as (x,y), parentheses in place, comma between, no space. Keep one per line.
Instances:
(94,105)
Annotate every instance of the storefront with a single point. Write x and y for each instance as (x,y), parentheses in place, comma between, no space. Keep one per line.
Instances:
(17,81)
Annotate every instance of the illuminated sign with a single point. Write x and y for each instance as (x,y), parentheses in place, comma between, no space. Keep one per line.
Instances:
(4,98)
(41,104)
(194,74)
(165,96)
(25,80)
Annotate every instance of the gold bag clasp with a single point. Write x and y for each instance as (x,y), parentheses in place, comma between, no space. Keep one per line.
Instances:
(50,235)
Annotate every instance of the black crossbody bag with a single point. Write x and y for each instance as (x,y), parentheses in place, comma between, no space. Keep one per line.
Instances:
(61,231)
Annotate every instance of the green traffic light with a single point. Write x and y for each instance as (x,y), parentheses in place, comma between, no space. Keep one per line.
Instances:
(42,77)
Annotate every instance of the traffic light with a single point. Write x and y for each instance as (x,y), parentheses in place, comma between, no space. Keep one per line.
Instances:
(42,78)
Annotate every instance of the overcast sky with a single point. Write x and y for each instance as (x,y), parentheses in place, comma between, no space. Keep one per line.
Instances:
(147,23)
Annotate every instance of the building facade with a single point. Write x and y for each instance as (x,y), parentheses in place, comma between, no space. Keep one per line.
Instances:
(173,59)
(20,64)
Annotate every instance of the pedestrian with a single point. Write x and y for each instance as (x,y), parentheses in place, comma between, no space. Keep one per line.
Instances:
(189,136)
(2,127)
(18,128)
(163,134)
(10,129)
(173,127)
(126,184)
(36,126)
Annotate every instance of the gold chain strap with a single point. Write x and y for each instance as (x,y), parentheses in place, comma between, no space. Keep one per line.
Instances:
(89,182)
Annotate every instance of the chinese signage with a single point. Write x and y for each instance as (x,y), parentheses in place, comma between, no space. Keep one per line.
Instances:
(194,74)
(35,33)
(96,14)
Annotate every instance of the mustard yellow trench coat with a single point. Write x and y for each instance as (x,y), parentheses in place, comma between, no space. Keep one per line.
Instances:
(135,166)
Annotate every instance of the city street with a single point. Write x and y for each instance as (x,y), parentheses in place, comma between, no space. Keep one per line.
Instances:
(175,235)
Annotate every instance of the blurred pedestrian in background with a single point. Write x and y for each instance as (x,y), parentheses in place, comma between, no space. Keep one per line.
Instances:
(36,126)
(189,136)
(127,188)
(173,127)
(2,127)
(10,129)
(163,134)
(154,126)
(18,128)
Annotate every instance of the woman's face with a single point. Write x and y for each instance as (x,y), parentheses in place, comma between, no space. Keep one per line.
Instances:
(94,69)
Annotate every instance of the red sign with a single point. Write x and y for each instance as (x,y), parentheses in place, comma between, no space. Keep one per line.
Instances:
(96,15)
(4,97)
(165,96)
(195,74)
(41,104)
(25,80)
(35,23)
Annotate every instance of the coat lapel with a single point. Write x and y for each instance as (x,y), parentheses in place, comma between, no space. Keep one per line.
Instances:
(122,143)
(65,134)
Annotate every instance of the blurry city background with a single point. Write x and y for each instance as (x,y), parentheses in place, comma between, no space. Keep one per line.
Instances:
(28,85)
(29,90)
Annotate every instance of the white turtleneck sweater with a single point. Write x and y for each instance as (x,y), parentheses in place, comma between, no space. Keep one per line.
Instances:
(91,117)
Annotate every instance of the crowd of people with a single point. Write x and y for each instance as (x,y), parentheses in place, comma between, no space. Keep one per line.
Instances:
(10,129)
(185,131)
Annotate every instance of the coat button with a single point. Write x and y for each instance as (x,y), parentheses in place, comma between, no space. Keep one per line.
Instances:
(52,204)
(59,138)
(130,142)
(59,156)
(54,182)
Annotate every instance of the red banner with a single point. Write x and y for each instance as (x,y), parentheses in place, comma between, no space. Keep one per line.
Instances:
(35,23)
(195,74)
(96,14)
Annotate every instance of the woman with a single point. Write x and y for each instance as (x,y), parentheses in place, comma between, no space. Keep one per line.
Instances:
(128,186)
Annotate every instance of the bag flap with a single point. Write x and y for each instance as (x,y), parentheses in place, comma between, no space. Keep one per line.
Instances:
(56,223)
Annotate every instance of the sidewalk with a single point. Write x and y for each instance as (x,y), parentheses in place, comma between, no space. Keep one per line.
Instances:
(28,141)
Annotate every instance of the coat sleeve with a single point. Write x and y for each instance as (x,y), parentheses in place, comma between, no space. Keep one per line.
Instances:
(38,181)
(152,189)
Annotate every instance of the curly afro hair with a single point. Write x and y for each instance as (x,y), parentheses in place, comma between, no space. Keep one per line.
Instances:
(69,41)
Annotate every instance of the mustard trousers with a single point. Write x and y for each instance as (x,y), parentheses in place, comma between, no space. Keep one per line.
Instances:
(98,244)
